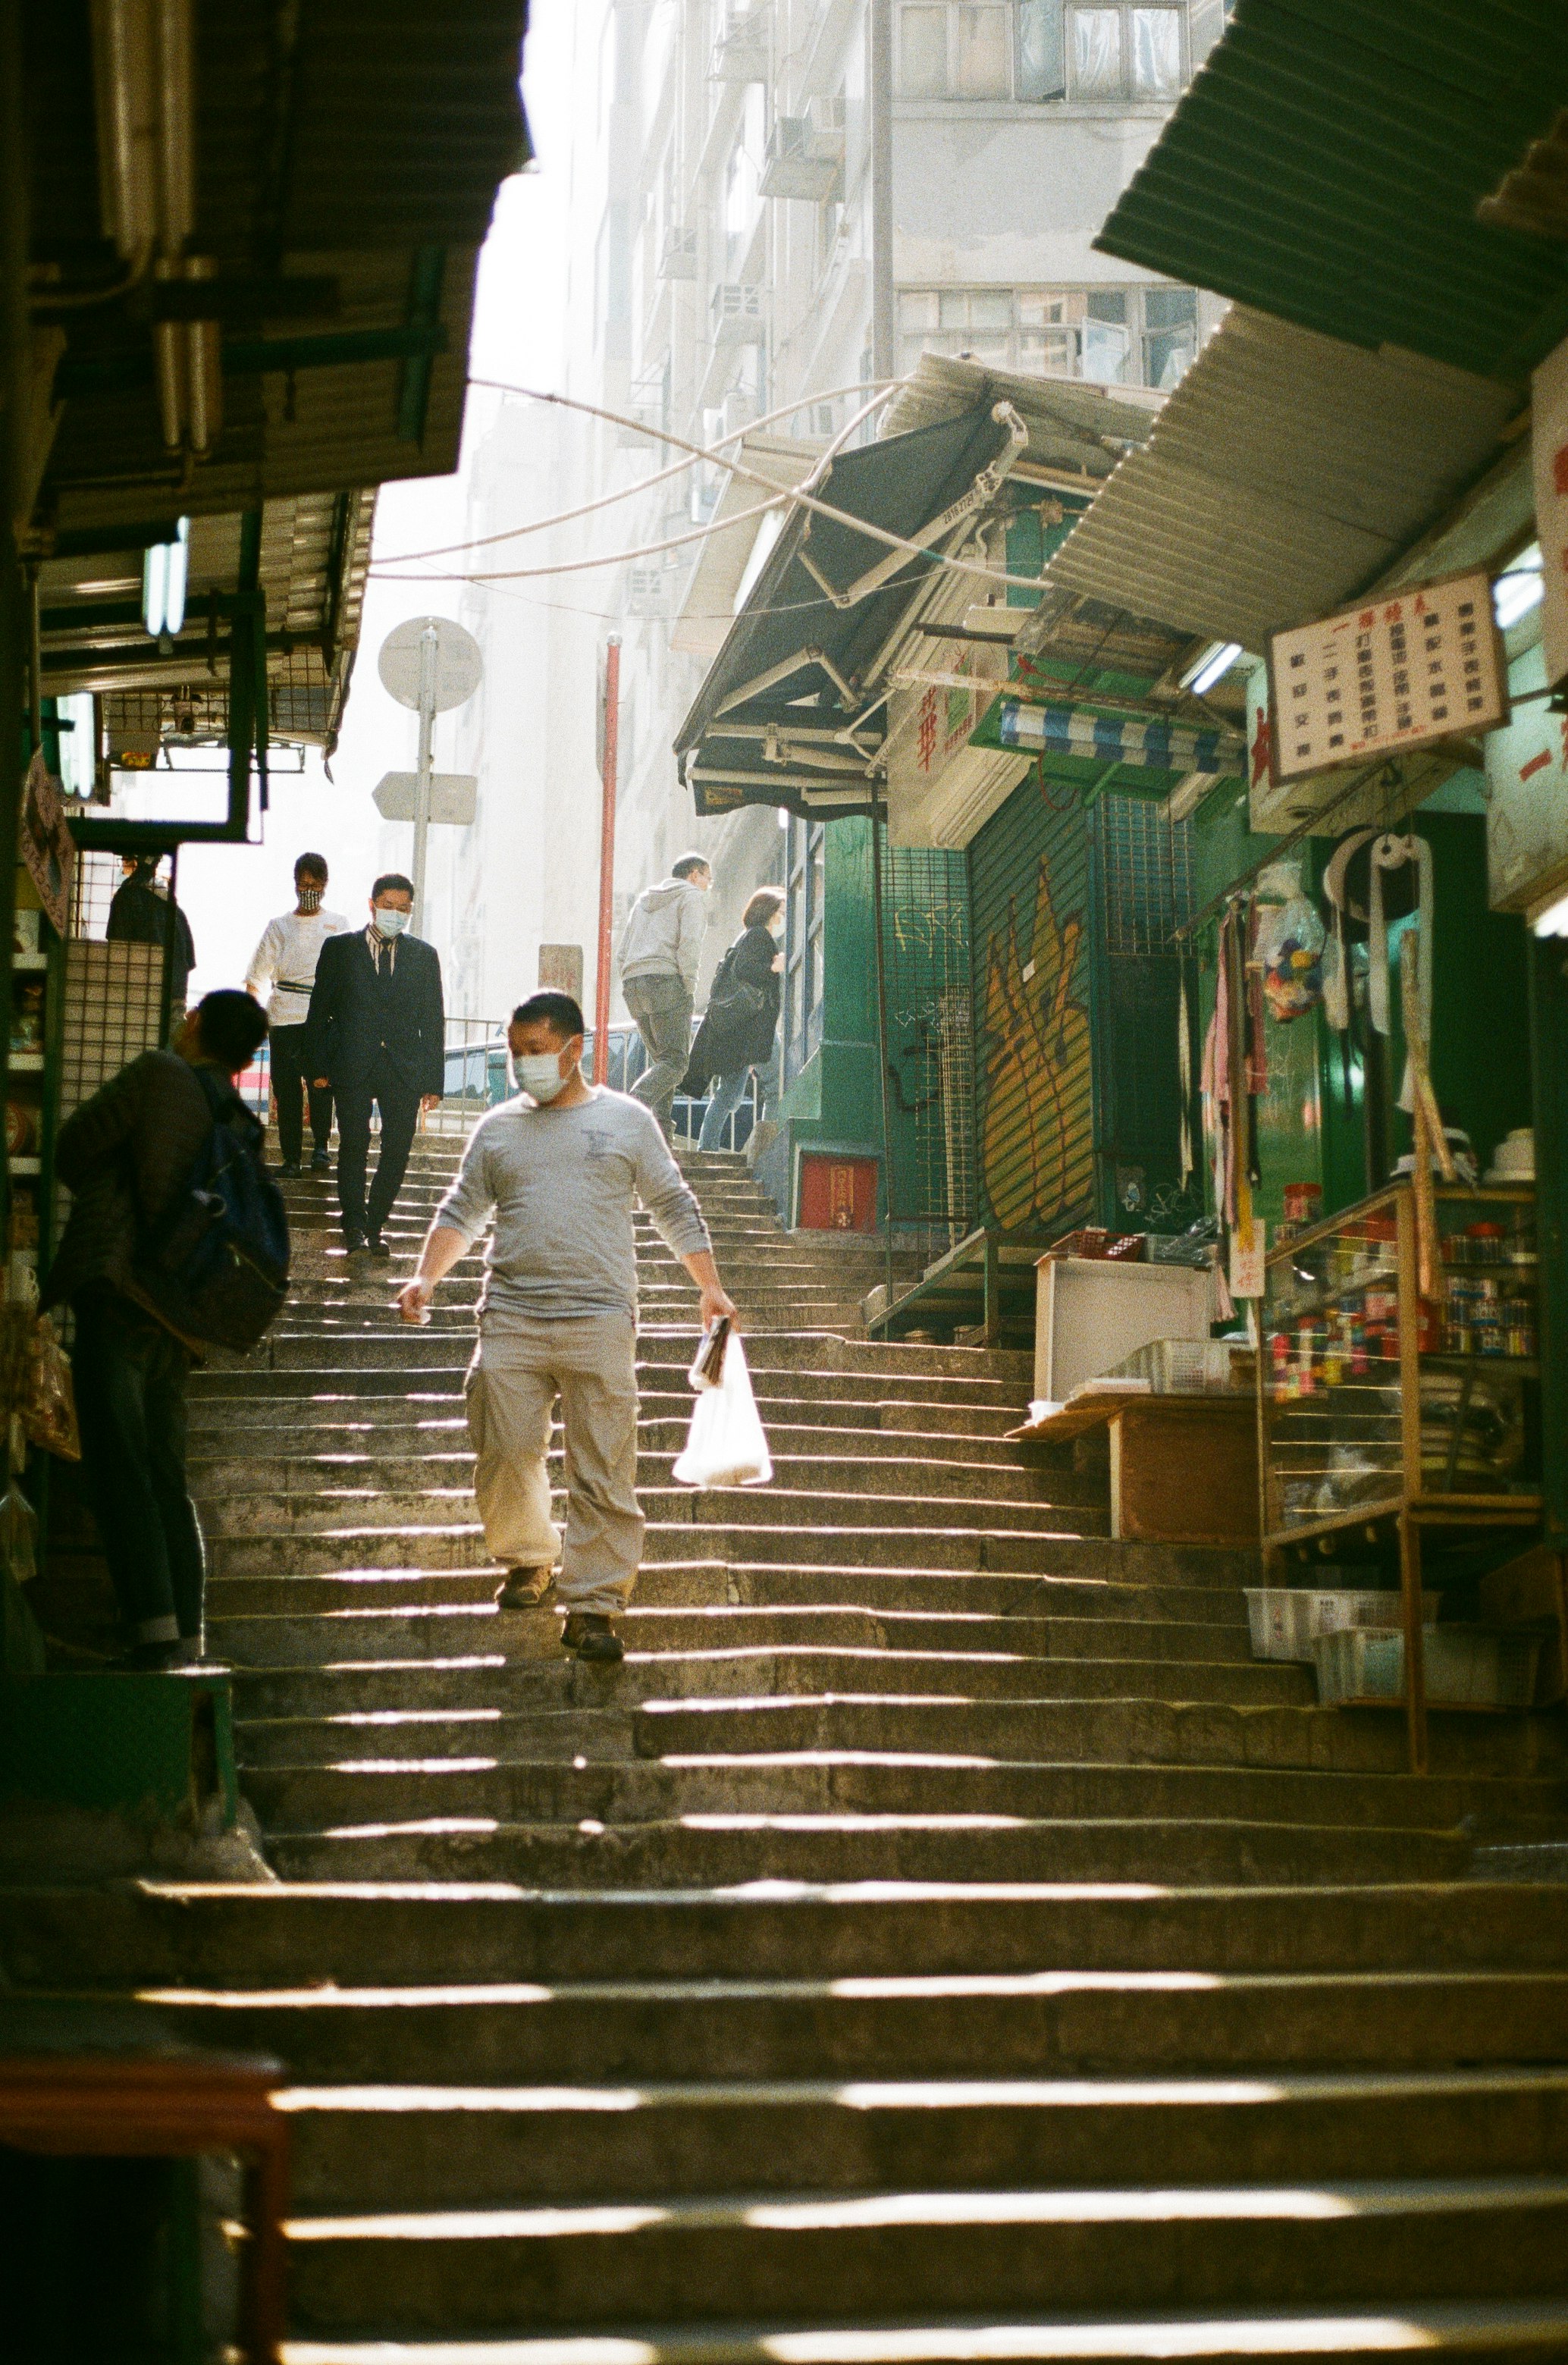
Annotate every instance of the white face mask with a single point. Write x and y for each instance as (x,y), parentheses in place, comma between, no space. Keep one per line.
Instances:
(389,921)
(776,926)
(539,1073)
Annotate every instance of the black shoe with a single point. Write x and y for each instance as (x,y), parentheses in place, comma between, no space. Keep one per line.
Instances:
(353,1242)
(289,1171)
(524,1589)
(321,1164)
(378,1248)
(591,1637)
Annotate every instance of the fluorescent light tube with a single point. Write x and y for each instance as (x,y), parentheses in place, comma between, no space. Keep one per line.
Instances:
(1211,666)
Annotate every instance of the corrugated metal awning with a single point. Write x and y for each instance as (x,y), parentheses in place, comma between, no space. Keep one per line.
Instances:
(1327,165)
(1286,471)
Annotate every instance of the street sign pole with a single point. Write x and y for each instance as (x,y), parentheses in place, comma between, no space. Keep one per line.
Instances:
(429,651)
(607,858)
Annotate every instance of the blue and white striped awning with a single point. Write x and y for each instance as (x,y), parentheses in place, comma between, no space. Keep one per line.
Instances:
(1119,738)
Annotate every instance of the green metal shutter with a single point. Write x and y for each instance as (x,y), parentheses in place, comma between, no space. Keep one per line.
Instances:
(1029,887)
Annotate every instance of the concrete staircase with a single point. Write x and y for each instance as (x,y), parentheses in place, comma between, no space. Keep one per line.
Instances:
(938,1941)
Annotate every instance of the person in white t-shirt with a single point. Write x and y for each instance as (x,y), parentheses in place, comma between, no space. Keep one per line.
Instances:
(286,960)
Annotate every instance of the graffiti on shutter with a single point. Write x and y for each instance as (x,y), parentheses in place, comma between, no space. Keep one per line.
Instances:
(1031,935)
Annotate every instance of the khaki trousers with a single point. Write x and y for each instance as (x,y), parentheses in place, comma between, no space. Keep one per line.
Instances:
(589,1361)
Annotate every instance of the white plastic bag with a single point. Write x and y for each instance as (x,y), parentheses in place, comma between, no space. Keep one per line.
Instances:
(725,1445)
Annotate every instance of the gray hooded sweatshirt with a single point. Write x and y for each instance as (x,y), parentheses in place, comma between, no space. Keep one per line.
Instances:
(663,936)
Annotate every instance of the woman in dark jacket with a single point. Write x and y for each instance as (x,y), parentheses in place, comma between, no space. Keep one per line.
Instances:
(743,1015)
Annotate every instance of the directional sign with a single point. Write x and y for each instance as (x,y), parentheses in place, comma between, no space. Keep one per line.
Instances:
(453,796)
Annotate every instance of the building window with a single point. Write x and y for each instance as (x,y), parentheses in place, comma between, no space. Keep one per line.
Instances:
(1039,49)
(1116,336)
(802,943)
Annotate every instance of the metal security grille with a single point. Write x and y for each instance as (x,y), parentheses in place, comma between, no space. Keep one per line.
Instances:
(925,929)
(114,1012)
(93,884)
(1145,875)
(1029,874)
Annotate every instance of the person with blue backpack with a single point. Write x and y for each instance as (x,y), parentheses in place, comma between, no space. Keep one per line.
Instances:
(176,1240)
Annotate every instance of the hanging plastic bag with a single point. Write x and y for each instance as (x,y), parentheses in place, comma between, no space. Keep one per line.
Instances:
(725,1445)
(1289,949)
(48,1409)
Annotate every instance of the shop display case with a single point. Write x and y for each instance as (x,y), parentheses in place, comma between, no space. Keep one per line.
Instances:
(1392,1412)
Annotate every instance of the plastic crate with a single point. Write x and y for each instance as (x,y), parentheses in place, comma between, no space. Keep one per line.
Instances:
(1286,1621)
(1465,1667)
(1188,1366)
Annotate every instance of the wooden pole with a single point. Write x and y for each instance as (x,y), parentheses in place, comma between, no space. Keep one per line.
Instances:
(607,858)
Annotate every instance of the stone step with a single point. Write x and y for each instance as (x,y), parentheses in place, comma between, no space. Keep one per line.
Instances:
(1057,1548)
(421,1828)
(277,1755)
(446,1461)
(801,1510)
(1182,1951)
(651,1631)
(460,2031)
(1149,1728)
(1465,2238)
(392,2146)
(374,1401)
(1495,2332)
(281,1449)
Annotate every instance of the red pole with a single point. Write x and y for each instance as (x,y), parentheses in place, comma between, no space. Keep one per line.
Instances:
(607,858)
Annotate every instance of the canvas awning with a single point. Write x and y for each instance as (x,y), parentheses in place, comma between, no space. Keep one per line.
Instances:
(1287,470)
(1328,163)
(790,713)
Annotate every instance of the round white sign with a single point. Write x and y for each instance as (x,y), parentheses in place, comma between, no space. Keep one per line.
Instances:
(458,663)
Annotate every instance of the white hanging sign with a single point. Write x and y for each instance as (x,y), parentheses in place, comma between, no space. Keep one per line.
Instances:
(1548,433)
(1394,673)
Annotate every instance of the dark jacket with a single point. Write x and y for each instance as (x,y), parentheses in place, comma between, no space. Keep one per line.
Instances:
(127,1154)
(140,916)
(731,1037)
(354,1019)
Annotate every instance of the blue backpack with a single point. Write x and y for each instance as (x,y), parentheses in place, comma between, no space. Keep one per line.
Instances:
(221,1257)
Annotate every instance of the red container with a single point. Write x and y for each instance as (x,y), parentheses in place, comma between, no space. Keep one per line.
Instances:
(838,1194)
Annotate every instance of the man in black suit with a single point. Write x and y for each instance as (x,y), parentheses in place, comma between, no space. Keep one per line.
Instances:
(377,1034)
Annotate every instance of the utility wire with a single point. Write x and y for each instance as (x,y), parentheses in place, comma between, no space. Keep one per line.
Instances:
(629,492)
(649,550)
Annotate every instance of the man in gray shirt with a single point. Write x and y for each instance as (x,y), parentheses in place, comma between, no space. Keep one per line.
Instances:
(559,1166)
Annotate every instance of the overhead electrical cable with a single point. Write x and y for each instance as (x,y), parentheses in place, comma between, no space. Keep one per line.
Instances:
(652,550)
(629,492)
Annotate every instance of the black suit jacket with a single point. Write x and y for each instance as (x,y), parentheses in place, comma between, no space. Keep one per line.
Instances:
(353,1023)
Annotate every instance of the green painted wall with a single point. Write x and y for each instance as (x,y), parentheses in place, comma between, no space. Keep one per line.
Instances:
(837,1100)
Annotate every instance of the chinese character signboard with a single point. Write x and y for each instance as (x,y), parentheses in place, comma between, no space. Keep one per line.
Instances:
(1527,799)
(1392,674)
(1549,414)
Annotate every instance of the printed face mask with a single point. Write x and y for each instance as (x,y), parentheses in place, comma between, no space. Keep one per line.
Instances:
(309,899)
(389,921)
(539,1073)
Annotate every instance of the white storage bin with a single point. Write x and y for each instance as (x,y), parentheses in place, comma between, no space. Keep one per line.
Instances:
(1286,1621)
(1464,1667)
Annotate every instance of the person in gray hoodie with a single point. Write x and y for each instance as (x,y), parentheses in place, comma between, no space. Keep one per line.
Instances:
(661,946)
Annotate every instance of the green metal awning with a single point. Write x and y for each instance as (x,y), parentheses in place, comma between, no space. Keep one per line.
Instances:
(789,712)
(1328,163)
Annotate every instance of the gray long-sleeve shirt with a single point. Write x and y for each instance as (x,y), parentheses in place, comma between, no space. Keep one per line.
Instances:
(561,1182)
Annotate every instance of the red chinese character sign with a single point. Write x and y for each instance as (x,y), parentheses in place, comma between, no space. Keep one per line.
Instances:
(1549,429)
(1391,674)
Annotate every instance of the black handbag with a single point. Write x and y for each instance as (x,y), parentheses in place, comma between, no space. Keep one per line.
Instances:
(731,998)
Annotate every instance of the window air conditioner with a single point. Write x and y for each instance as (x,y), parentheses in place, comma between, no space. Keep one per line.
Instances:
(737,315)
(793,168)
(678,260)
